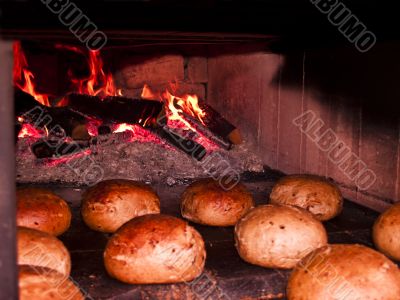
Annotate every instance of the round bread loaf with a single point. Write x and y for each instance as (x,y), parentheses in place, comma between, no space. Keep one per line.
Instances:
(341,271)
(278,236)
(313,193)
(206,202)
(43,210)
(39,283)
(111,203)
(38,248)
(155,249)
(386,232)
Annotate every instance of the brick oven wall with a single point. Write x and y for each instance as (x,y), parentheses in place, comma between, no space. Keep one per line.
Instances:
(189,74)
(354,94)
(262,93)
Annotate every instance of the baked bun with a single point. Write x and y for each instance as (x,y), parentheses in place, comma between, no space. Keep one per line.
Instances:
(43,210)
(111,203)
(155,249)
(386,232)
(38,248)
(317,195)
(278,236)
(38,283)
(206,202)
(345,272)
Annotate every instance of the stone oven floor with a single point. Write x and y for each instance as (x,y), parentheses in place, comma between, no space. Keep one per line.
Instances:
(225,271)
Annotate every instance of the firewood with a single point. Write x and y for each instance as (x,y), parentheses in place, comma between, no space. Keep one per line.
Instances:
(52,119)
(203,130)
(219,125)
(186,145)
(117,109)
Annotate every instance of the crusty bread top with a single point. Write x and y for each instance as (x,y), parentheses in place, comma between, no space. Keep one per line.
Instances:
(43,210)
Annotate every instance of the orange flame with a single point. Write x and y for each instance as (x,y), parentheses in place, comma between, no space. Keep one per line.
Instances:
(138,133)
(99,83)
(23,78)
(177,105)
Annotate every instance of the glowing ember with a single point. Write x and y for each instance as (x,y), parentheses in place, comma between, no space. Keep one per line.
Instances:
(52,162)
(138,133)
(124,127)
(23,78)
(28,130)
(101,83)
(93,127)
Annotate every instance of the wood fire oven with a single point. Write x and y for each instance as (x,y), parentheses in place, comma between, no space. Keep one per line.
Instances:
(167,92)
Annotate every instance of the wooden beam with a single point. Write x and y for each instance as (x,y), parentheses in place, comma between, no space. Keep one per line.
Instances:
(8,258)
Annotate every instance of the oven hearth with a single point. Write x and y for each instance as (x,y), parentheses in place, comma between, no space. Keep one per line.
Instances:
(102,125)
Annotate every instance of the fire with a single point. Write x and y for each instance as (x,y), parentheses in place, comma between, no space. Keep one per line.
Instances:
(23,78)
(188,104)
(29,130)
(125,127)
(148,94)
(138,133)
(99,83)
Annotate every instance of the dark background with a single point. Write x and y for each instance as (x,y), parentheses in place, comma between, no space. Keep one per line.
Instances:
(297,23)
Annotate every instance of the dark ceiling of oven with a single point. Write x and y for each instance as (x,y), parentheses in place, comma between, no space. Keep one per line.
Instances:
(293,21)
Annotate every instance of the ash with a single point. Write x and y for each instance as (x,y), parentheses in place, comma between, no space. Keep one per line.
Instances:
(142,161)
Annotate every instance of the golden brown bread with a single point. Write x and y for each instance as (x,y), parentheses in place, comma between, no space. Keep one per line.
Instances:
(38,283)
(313,193)
(206,202)
(155,249)
(386,232)
(111,203)
(38,248)
(341,271)
(278,236)
(43,210)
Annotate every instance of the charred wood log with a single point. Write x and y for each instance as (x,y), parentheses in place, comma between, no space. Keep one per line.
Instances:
(190,147)
(58,121)
(204,130)
(219,126)
(117,109)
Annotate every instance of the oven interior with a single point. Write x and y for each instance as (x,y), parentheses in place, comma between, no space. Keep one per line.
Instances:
(298,102)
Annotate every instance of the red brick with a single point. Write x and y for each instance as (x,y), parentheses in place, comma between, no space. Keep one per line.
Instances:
(153,71)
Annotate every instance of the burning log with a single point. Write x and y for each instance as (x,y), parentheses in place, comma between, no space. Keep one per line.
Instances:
(188,146)
(72,120)
(219,126)
(192,109)
(59,121)
(220,141)
(117,109)
(147,113)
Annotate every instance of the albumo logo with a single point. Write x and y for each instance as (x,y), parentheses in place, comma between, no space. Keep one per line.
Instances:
(78,23)
(347,23)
